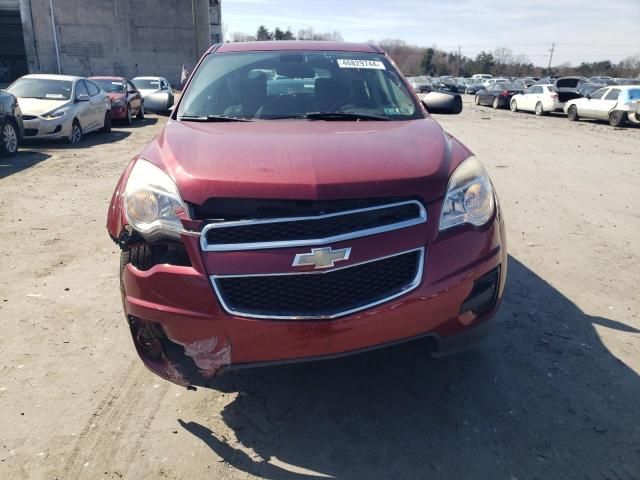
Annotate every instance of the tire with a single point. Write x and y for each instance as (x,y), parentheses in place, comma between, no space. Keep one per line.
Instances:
(76,133)
(514,106)
(477,100)
(539,109)
(128,120)
(618,118)
(140,115)
(8,139)
(572,113)
(106,128)
(496,103)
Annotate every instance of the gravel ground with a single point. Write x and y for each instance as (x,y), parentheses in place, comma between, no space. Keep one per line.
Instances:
(553,394)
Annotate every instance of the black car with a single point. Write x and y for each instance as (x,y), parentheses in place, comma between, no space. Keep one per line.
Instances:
(11,128)
(498,95)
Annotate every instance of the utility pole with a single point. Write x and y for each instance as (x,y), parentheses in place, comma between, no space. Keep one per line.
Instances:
(553,47)
(459,59)
(55,35)
(195,29)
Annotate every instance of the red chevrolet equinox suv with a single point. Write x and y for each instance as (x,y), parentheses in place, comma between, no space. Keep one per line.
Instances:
(301,203)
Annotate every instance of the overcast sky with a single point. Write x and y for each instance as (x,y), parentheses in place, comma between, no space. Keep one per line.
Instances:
(583,30)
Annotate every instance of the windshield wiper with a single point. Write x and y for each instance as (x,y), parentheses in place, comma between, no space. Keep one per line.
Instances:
(212,118)
(344,116)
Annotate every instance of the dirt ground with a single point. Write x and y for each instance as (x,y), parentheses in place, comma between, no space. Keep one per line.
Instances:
(553,394)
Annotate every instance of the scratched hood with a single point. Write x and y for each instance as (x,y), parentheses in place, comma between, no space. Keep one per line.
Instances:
(39,106)
(302,159)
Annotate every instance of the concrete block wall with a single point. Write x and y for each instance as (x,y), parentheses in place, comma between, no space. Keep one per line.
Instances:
(117,37)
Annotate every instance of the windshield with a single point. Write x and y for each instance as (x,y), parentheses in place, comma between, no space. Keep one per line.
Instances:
(110,86)
(41,88)
(293,84)
(146,84)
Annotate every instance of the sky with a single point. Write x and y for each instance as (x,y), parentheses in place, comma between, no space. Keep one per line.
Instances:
(582,30)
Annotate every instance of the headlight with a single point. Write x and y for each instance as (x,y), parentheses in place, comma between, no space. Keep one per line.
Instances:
(118,103)
(152,201)
(56,113)
(469,197)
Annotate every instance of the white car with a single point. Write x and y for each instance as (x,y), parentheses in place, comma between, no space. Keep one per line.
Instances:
(156,92)
(492,81)
(617,104)
(481,76)
(537,98)
(61,106)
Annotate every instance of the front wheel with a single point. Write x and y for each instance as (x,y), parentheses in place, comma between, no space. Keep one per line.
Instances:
(514,106)
(539,109)
(477,100)
(106,126)
(496,103)
(76,133)
(140,115)
(8,140)
(617,118)
(572,113)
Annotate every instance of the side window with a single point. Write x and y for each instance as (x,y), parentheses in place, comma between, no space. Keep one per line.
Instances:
(130,86)
(613,94)
(528,91)
(92,88)
(537,90)
(164,85)
(597,95)
(81,89)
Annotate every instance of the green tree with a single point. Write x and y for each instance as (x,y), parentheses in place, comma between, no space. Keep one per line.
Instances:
(426,65)
(484,62)
(263,34)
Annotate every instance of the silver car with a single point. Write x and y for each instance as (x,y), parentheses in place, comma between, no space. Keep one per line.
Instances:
(617,104)
(61,106)
(156,92)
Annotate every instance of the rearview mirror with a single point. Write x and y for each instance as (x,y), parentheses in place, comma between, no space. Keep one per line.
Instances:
(442,102)
(83,97)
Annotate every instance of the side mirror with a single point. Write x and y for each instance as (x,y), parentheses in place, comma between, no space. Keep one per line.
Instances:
(164,87)
(83,97)
(442,102)
(131,92)
(588,97)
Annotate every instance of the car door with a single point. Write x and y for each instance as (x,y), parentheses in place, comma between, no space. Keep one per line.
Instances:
(97,104)
(588,108)
(608,103)
(133,96)
(525,103)
(83,106)
(538,93)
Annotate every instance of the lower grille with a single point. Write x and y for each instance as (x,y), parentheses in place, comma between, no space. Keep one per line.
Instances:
(30,132)
(321,295)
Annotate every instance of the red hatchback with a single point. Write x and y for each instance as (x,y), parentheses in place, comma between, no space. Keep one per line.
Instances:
(126,101)
(301,204)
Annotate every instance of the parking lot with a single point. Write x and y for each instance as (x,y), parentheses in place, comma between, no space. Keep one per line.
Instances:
(552,394)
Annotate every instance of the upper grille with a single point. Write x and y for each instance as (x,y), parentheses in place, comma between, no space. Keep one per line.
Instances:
(320,295)
(311,230)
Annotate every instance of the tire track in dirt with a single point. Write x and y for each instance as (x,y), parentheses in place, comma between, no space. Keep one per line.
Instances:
(127,410)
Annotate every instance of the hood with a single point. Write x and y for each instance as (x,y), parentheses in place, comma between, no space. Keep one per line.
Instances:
(148,91)
(113,96)
(37,106)
(311,160)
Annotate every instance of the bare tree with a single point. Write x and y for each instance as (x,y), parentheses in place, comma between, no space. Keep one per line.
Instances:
(502,57)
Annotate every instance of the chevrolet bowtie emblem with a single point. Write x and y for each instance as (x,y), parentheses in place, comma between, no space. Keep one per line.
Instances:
(321,257)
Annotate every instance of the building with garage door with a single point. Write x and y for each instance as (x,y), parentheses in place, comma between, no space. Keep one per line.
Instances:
(105,37)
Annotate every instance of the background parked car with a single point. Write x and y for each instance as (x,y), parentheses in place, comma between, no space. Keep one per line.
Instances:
(156,93)
(569,88)
(126,100)
(11,128)
(497,95)
(603,80)
(538,98)
(420,84)
(617,104)
(61,106)
(473,86)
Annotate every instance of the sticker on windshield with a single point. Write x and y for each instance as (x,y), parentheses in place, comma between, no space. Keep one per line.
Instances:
(352,63)
(54,95)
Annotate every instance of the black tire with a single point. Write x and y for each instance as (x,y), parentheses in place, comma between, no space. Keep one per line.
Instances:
(618,118)
(540,109)
(140,115)
(477,100)
(496,103)
(128,119)
(76,132)
(513,105)
(572,114)
(9,140)
(106,128)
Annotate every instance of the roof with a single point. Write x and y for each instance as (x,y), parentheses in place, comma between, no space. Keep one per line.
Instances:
(44,76)
(105,77)
(295,45)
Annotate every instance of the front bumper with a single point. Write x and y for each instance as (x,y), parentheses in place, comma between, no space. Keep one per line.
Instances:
(119,113)
(42,128)
(183,333)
